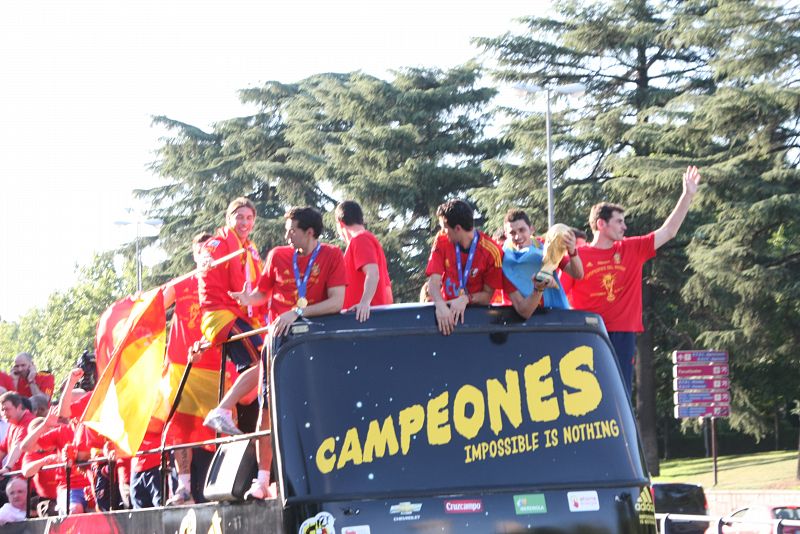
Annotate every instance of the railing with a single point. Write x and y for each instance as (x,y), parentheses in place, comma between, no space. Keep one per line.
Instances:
(163,451)
(718,522)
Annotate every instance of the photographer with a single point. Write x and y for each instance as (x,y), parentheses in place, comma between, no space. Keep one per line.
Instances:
(27,380)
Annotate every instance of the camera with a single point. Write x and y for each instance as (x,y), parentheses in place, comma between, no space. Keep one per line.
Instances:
(87,362)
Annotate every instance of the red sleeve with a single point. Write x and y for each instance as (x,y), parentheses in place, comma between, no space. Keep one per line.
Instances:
(363,252)
(436,259)
(337,275)
(494,265)
(265,281)
(214,281)
(6,381)
(645,246)
(51,439)
(46,383)
(4,443)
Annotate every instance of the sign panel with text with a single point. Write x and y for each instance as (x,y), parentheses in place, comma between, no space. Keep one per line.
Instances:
(700,369)
(703,396)
(702,410)
(681,384)
(699,356)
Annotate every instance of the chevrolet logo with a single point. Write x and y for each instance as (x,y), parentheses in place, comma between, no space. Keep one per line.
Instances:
(405,508)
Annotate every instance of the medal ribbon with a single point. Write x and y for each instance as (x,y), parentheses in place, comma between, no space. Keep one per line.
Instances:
(463,275)
(301,285)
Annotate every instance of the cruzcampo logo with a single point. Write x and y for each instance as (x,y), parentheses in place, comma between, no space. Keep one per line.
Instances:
(531,503)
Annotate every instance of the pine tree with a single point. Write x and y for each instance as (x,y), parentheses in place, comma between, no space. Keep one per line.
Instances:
(645,65)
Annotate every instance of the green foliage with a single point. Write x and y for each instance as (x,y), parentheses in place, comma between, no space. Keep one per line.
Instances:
(400,148)
(60,331)
(711,83)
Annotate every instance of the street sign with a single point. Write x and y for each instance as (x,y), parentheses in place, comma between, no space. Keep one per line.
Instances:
(702,410)
(699,356)
(705,397)
(699,370)
(681,384)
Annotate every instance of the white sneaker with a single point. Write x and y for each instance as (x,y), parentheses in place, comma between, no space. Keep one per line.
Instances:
(181,496)
(221,421)
(260,491)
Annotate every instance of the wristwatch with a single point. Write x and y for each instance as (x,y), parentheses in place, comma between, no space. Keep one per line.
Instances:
(298,311)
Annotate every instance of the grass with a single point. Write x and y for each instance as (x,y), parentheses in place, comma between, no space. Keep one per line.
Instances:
(763,471)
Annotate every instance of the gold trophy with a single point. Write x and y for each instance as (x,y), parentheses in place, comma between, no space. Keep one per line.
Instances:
(554,249)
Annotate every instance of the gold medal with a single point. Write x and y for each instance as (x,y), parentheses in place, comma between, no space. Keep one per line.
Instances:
(461,292)
(302,302)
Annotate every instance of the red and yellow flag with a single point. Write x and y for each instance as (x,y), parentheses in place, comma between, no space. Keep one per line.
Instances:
(110,330)
(127,392)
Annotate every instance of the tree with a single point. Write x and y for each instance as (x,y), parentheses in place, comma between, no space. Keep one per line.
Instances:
(746,259)
(60,331)
(400,148)
(655,74)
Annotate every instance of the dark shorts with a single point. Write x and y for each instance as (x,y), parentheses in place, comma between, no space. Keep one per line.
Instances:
(245,352)
(624,344)
(146,488)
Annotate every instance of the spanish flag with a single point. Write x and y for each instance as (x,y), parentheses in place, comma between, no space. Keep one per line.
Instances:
(128,389)
(110,330)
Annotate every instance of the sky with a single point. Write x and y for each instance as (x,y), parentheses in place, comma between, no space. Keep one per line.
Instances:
(81,80)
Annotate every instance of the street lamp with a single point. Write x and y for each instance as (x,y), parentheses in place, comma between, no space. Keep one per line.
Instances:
(138,221)
(567,89)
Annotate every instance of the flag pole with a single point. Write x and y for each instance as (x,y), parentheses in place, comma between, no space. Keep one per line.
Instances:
(211,265)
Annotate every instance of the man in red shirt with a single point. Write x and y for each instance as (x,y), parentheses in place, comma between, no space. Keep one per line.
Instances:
(222,316)
(27,380)
(199,396)
(612,281)
(18,417)
(368,282)
(465,265)
(305,279)
(65,439)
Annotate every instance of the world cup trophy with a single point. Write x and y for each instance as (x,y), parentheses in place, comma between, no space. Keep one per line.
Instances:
(554,249)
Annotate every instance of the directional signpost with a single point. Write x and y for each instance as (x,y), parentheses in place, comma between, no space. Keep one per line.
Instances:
(702,388)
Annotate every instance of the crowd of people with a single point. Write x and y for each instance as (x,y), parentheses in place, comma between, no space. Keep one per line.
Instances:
(308,278)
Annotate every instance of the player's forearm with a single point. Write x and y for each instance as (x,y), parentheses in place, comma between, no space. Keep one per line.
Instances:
(435,288)
(332,304)
(483,297)
(371,278)
(525,306)
(575,267)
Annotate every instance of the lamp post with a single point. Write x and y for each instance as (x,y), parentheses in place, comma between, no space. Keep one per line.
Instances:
(138,257)
(567,89)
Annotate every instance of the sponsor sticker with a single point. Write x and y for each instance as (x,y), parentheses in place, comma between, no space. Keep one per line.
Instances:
(463,506)
(583,501)
(405,511)
(360,529)
(530,503)
(322,523)
(212,244)
(644,505)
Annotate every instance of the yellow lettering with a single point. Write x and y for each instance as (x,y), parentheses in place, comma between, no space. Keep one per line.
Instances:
(326,457)
(438,416)
(378,439)
(507,398)
(588,394)
(465,425)
(411,420)
(351,450)
(538,387)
